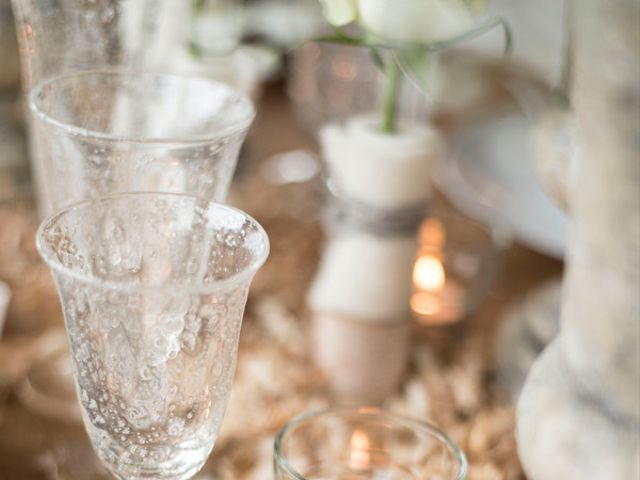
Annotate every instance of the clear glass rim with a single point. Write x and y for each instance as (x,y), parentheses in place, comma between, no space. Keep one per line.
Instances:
(238,278)
(366,412)
(236,127)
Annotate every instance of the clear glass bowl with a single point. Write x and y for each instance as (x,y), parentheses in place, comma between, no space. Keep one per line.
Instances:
(365,443)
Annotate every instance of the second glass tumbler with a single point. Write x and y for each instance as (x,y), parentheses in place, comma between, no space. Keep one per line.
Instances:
(107,131)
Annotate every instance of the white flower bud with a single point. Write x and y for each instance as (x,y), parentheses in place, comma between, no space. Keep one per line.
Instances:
(419,21)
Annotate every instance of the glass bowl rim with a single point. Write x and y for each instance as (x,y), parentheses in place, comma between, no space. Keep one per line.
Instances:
(234,280)
(233,128)
(377,412)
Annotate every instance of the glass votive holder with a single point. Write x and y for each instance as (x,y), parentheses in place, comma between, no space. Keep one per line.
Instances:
(364,443)
(456,265)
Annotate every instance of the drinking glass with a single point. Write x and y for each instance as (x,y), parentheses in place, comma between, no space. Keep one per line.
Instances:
(153,288)
(106,131)
(364,443)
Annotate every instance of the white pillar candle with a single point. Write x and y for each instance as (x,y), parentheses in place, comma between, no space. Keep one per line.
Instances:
(388,171)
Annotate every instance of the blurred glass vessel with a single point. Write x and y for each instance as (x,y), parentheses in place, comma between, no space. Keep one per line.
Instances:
(153,288)
(364,443)
(329,83)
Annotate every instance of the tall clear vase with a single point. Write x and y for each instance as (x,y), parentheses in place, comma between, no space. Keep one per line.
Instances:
(57,37)
(62,36)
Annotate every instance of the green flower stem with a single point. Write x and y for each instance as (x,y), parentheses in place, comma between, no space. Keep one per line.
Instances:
(390,99)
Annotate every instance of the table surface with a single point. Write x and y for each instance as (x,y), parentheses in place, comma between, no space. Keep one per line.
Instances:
(451,382)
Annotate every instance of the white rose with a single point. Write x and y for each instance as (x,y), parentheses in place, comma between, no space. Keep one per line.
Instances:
(339,12)
(420,21)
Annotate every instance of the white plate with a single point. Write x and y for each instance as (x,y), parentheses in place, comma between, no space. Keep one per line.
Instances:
(489,176)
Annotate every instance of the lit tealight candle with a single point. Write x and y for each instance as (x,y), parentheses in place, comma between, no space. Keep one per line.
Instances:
(438,300)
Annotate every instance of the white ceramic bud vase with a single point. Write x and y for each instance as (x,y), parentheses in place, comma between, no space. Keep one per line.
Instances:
(360,295)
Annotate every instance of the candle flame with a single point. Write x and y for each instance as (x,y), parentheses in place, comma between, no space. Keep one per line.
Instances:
(428,273)
(359,445)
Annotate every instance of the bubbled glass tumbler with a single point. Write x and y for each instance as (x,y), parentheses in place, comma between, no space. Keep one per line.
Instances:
(107,131)
(153,288)
(364,443)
